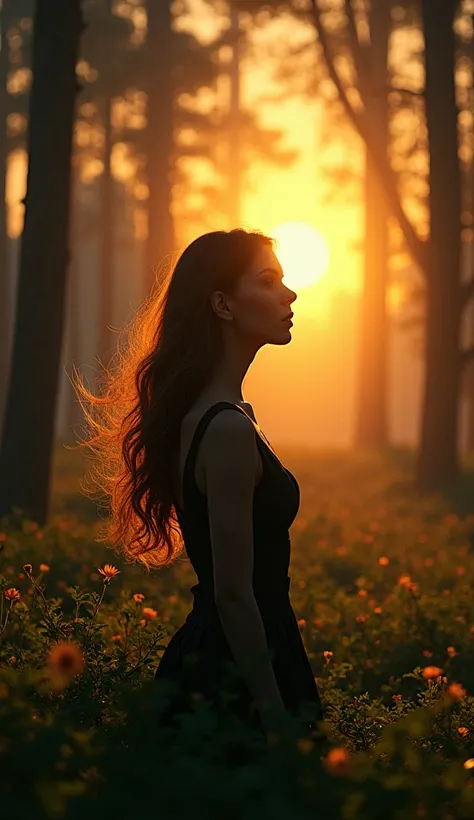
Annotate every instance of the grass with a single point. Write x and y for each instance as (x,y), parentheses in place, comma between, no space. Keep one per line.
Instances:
(381,585)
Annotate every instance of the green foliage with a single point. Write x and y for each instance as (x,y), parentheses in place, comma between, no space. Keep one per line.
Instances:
(381,584)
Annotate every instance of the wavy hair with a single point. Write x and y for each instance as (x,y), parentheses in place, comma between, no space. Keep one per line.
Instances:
(172,348)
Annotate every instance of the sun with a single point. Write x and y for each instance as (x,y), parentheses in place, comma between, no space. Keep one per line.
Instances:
(302,252)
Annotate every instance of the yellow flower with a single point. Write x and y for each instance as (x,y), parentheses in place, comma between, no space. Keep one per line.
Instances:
(44,568)
(431,671)
(109,572)
(138,597)
(149,613)
(66,658)
(13,595)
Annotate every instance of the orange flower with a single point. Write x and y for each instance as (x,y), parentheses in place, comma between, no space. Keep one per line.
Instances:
(302,624)
(338,761)
(384,561)
(469,764)
(116,638)
(427,653)
(28,568)
(404,580)
(108,571)
(378,610)
(361,619)
(327,655)
(463,731)
(149,613)
(456,691)
(396,698)
(44,568)
(451,651)
(66,658)
(138,597)
(431,671)
(13,595)
(142,622)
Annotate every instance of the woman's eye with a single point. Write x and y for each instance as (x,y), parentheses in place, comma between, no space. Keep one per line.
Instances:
(269,280)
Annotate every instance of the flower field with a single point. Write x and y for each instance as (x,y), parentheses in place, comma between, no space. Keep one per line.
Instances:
(382,585)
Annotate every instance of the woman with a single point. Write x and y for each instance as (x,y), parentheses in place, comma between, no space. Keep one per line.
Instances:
(182,457)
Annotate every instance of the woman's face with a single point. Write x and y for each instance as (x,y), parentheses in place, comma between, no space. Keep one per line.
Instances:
(261,301)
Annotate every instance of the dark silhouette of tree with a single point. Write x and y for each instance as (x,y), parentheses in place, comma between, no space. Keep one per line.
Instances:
(27,441)
(11,12)
(439,257)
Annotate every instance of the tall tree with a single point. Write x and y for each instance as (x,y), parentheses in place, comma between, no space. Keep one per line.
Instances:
(438,454)
(10,13)
(159,135)
(371,63)
(5,295)
(27,441)
(437,461)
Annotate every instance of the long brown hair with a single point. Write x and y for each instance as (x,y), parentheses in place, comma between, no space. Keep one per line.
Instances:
(172,347)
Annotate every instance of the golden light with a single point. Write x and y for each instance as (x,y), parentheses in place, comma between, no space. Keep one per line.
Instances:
(302,252)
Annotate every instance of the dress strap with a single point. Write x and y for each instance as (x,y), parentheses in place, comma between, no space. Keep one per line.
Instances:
(211,411)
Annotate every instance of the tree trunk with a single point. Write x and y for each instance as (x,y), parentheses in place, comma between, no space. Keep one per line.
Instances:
(5,272)
(159,139)
(73,413)
(106,280)
(372,407)
(468,263)
(27,442)
(235,160)
(438,460)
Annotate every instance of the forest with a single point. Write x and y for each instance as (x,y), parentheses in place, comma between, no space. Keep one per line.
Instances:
(345,129)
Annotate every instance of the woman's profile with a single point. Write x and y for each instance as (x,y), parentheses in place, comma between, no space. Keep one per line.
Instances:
(184,464)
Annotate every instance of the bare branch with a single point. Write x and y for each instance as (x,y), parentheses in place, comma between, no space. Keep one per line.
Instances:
(356,48)
(360,121)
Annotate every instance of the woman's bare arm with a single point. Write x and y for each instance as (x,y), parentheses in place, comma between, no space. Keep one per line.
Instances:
(230,467)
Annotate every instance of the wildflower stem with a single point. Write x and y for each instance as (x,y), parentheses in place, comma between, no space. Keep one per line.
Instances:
(100,600)
(6,620)
(146,655)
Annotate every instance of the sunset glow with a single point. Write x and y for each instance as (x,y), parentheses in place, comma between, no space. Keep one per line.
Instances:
(302,252)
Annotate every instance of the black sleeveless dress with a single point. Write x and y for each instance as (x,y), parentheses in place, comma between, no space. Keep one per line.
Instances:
(197,656)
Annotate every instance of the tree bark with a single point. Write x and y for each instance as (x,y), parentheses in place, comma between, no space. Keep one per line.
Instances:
(27,442)
(106,239)
(372,406)
(5,272)
(438,460)
(159,139)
